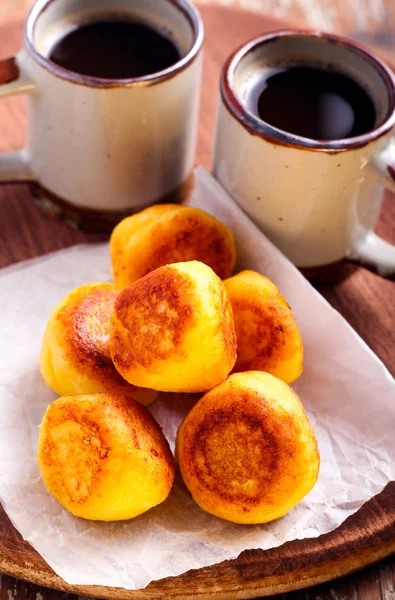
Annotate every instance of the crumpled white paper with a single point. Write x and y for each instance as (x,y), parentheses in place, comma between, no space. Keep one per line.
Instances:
(348,393)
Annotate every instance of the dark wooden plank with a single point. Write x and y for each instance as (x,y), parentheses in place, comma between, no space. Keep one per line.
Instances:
(13,589)
(364,299)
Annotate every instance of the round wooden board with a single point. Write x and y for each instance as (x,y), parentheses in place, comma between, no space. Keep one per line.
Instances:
(364,538)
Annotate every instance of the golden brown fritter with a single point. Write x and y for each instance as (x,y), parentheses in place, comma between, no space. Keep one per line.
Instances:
(268,338)
(166,234)
(247,452)
(173,330)
(104,457)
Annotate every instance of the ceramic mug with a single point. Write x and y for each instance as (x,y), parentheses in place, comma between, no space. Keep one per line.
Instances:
(318,201)
(100,148)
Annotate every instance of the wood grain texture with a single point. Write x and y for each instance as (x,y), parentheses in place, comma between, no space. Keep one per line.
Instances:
(364,299)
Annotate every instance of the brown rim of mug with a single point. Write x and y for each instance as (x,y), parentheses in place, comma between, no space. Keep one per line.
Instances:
(189,11)
(258,127)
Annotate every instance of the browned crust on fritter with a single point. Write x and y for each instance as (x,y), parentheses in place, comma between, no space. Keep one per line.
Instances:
(196,239)
(95,437)
(86,324)
(155,312)
(96,424)
(270,333)
(242,440)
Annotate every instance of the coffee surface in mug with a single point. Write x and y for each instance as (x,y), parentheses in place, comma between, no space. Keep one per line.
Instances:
(115,49)
(314,103)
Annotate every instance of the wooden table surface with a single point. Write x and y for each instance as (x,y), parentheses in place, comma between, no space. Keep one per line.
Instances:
(355,298)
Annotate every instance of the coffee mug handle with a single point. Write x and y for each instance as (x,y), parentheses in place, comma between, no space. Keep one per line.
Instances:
(373,250)
(15,166)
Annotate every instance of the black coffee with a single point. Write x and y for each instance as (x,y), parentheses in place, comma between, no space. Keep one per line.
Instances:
(314,103)
(115,50)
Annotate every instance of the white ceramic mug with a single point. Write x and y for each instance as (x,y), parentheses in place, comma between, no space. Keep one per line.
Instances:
(318,201)
(102,148)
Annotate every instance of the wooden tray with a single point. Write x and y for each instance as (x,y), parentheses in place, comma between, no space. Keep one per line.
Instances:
(364,299)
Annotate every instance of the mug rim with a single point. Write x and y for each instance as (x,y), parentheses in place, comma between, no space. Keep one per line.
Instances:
(189,11)
(263,129)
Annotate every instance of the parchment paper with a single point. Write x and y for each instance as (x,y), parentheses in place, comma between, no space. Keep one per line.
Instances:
(347,391)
